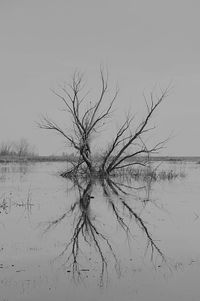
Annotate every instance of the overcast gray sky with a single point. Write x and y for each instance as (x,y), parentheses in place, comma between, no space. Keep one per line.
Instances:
(142,43)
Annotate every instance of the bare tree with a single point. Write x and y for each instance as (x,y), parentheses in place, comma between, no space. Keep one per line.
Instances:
(23,148)
(87,117)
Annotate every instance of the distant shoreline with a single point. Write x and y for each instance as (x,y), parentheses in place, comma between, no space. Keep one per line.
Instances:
(52,158)
(16,159)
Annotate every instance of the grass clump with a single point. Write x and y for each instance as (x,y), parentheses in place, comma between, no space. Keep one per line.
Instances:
(147,173)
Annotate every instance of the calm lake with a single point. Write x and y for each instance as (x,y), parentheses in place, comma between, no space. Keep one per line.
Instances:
(124,240)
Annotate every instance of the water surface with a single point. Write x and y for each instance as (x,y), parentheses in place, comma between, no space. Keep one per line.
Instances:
(136,244)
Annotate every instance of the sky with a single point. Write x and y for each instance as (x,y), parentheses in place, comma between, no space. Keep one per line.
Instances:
(145,45)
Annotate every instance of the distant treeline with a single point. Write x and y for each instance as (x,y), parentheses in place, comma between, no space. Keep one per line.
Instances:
(22,150)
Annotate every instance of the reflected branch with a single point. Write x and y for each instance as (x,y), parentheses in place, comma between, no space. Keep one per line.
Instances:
(87,233)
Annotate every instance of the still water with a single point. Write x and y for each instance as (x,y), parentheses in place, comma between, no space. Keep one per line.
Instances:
(121,240)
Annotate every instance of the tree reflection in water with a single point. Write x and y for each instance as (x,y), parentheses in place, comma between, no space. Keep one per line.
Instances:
(86,229)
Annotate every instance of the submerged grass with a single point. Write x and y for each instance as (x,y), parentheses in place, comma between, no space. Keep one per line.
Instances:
(137,174)
(146,174)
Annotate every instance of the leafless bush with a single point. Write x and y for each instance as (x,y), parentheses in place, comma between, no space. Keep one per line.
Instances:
(21,148)
(6,148)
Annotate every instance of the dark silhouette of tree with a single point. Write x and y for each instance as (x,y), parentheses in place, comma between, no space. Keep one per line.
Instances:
(87,117)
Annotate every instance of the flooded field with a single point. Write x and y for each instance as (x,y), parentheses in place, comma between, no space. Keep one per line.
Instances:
(90,241)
